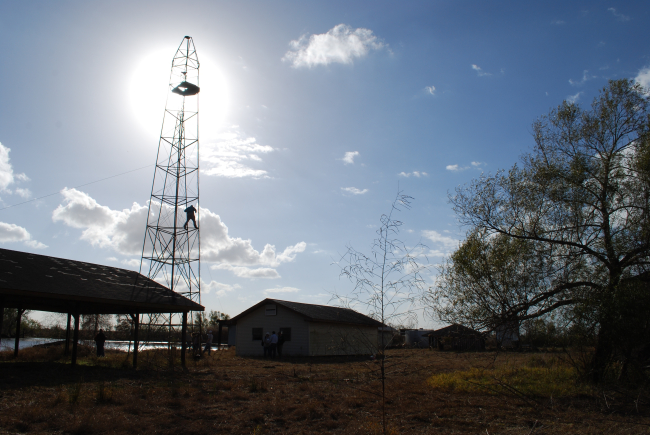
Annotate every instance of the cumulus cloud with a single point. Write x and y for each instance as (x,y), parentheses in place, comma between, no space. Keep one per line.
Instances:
(219,289)
(7,175)
(574,98)
(341,44)
(430,90)
(15,233)
(456,168)
(442,245)
(25,193)
(123,231)
(618,15)
(643,77)
(249,272)
(133,262)
(349,156)
(416,174)
(354,190)
(479,71)
(233,155)
(282,290)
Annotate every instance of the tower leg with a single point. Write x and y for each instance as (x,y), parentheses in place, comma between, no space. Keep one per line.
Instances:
(136,328)
(75,339)
(67,336)
(19,316)
(183,340)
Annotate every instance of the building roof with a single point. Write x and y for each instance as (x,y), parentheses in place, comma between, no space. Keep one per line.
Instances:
(40,282)
(454,330)
(317,313)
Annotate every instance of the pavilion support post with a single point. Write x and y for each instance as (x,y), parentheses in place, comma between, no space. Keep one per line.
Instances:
(19,317)
(136,329)
(2,317)
(219,337)
(67,336)
(75,339)
(183,340)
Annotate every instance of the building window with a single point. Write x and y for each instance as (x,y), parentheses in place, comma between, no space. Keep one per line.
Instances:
(286,333)
(270,310)
(257,334)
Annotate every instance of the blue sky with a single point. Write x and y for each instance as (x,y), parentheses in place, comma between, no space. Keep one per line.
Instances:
(311,114)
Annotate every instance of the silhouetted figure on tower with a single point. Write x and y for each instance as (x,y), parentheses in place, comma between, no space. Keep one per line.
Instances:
(190,211)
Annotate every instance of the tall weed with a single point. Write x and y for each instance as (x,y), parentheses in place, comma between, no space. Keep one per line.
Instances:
(538,378)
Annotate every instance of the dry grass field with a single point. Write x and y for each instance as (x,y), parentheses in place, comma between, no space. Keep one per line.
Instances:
(427,392)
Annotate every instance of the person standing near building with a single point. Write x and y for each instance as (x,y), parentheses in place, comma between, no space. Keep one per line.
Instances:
(208,343)
(274,344)
(191,216)
(266,342)
(100,339)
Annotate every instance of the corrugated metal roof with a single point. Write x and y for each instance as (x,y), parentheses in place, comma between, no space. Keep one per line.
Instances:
(23,273)
(319,313)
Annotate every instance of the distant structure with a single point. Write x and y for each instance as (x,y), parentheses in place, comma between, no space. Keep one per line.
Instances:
(171,252)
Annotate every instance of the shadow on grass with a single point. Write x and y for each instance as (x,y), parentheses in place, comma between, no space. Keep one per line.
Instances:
(19,374)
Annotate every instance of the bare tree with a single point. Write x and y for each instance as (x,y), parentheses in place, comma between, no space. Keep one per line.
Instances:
(387,281)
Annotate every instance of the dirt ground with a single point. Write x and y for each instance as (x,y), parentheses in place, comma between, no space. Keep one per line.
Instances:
(223,393)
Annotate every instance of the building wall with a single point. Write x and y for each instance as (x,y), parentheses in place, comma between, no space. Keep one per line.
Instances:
(284,318)
(333,339)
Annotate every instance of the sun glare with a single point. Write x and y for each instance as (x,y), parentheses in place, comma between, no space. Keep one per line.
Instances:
(149,86)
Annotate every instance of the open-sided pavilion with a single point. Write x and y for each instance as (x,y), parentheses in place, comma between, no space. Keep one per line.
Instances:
(39,282)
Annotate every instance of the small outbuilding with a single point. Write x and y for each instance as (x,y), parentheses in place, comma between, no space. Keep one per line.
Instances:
(309,330)
(456,337)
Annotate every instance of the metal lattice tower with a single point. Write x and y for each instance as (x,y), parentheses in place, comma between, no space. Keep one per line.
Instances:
(171,253)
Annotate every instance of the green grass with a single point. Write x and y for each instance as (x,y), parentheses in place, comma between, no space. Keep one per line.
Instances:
(553,380)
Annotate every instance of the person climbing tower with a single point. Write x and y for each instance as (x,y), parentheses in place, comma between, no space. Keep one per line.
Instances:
(190,211)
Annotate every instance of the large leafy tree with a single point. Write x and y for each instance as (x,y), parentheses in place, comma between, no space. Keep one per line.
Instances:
(497,280)
(581,201)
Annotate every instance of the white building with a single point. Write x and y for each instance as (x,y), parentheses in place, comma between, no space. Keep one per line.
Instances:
(310,330)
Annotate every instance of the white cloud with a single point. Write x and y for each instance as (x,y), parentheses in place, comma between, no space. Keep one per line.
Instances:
(583,80)
(133,262)
(479,71)
(25,193)
(456,168)
(7,176)
(416,174)
(220,289)
(557,22)
(643,77)
(349,156)
(15,233)
(443,245)
(354,190)
(574,98)
(34,244)
(618,15)
(232,154)
(430,90)
(249,272)
(282,290)
(123,231)
(341,44)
